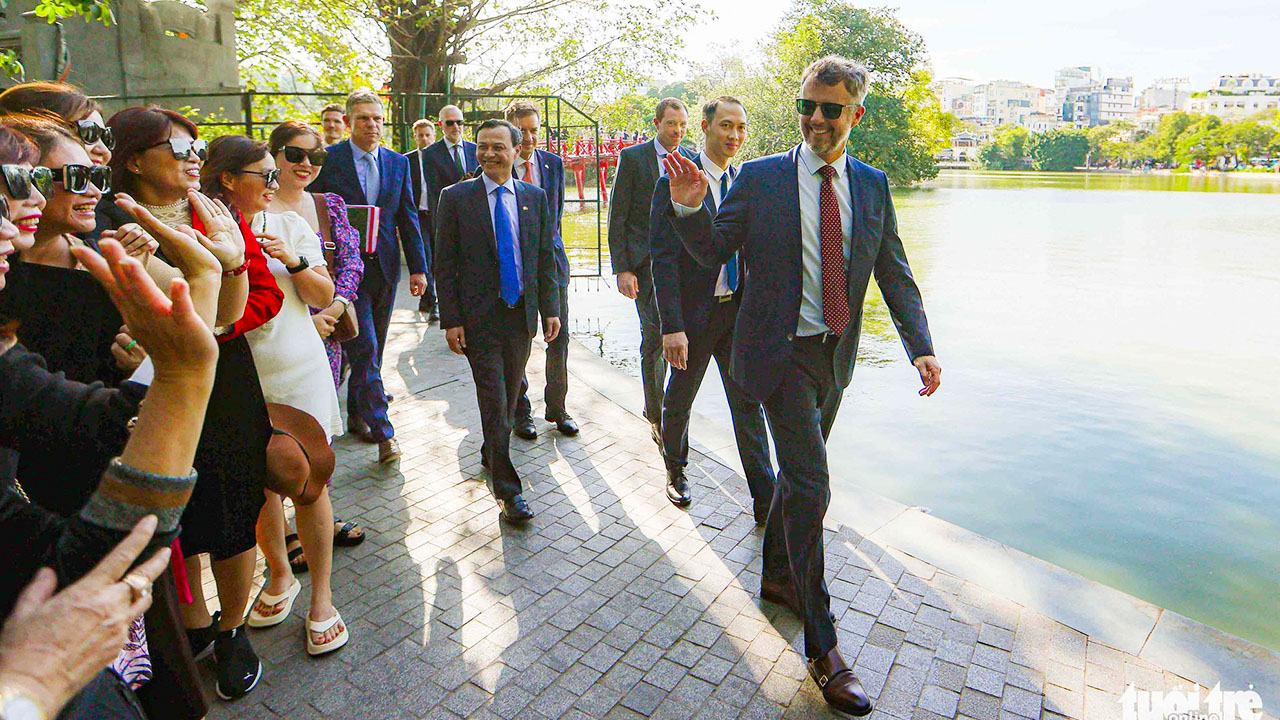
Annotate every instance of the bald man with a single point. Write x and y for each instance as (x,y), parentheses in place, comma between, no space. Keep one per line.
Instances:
(448,160)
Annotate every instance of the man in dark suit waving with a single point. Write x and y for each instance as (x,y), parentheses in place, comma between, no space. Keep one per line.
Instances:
(495,273)
(698,306)
(364,173)
(639,168)
(812,224)
(545,170)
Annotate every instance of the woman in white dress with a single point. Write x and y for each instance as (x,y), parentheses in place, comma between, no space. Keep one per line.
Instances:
(293,370)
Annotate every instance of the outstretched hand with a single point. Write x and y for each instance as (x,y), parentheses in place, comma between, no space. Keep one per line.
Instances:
(169,329)
(184,247)
(688,183)
(221,231)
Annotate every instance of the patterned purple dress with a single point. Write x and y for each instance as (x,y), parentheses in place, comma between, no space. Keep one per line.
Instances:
(349,271)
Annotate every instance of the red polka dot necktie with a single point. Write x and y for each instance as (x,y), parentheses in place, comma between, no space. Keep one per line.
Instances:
(835,299)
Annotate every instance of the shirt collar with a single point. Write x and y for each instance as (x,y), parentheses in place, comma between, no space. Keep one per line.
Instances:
(657,146)
(531,161)
(359,154)
(812,162)
(710,168)
(490,185)
(451,145)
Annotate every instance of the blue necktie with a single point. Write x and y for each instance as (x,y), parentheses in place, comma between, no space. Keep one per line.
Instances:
(506,240)
(731,267)
(370,179)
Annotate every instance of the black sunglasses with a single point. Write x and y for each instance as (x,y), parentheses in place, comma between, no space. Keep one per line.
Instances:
(830,110)
(450,123)
(91,132)
(20,180)
(296,155)
(76,178)
(183,147)
(269,177)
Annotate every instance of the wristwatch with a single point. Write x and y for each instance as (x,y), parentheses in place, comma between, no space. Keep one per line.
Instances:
(303,264)
(17,705)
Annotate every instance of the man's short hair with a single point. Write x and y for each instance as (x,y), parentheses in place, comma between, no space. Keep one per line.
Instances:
(360,97)
(422,122)
(521,108)
(833,70)
(665,103)
(516,135)
(332,107)
(710,108)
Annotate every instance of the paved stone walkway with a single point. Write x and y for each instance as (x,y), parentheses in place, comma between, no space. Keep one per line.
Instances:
(614,604)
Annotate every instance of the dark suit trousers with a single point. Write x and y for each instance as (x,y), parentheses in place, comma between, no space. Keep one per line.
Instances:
(427,302)
(557,370)
(498,350)
(366,397)
(801,412)
(716,340)
(653,368)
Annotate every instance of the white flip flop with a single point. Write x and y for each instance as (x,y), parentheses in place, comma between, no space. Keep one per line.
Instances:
(323,627)
(258,620)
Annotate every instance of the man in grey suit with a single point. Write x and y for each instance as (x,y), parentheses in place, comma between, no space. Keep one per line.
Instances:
(639,168)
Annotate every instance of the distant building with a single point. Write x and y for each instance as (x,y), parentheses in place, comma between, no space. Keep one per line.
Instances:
(964,146)
(955,95)
(1164,98)
(1038,122)
(1068,79)
(1004,102)
(1102,104)
(1237,96)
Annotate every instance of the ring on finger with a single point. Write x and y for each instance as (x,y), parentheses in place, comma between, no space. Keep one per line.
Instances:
(131,345)
(139,585)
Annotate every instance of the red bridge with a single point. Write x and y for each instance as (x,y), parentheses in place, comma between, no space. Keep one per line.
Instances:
(579,154)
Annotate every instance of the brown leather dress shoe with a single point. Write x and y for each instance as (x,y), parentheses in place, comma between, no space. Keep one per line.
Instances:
(785,595)
(840,687)
(388,450)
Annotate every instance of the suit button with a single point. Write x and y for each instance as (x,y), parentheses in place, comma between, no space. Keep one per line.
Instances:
(791,336)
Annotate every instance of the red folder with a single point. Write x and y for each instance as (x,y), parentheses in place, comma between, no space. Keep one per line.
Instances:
(365,219)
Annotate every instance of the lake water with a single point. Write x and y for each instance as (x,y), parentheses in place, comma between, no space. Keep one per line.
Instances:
(1108,399)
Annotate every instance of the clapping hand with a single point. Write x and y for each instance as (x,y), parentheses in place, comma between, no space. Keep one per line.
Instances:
(224,238)
(173,334)
(127,352)
(54,644)
(137,242)
(190,251)
(688,183)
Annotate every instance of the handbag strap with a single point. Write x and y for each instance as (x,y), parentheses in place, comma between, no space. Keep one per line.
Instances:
(326,230)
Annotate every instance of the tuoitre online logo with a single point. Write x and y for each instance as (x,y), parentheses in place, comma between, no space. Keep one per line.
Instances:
(1219,704)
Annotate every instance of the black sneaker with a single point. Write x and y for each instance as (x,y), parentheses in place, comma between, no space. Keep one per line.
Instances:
(239,669)
(201,639)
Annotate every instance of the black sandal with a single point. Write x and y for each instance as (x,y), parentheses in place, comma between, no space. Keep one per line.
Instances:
(342,537)
(297,566)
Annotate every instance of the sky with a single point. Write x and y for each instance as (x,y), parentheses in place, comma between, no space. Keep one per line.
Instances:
(1028,41)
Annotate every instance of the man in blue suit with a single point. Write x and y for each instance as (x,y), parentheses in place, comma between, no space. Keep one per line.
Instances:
(698,306)
(450,159)
(639,168)
(545,170)
(495,274)
(364,173)
(812,224)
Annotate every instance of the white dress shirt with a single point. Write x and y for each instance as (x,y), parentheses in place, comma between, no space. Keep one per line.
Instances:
(367,173)
(811,321)
(714,173)
(532,162)
(509,201)
(662,153)
(424,197)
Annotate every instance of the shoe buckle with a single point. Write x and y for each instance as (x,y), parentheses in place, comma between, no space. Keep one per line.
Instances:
(822,681)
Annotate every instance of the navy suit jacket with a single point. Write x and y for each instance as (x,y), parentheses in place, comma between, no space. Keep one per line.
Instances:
(551,180)
(686,288)
(468,281)
(761,217)
(630,203)
(441,172)
(395,197)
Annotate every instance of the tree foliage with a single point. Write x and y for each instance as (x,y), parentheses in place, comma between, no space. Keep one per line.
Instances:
(52,11)
(1060,149)
(1009,149)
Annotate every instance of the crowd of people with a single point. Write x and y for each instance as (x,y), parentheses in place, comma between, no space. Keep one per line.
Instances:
(179,316)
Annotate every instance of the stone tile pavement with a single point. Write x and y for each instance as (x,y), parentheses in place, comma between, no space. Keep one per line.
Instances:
(614,604)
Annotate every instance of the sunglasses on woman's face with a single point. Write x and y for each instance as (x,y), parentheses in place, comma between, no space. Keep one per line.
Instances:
(830,111)
(20,180)
(269,177)
(296,155)
(91,132)
(183,147)
(76,178)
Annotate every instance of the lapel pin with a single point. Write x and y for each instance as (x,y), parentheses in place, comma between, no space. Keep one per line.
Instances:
(526,207)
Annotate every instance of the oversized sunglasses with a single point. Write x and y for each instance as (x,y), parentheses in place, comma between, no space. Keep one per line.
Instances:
(296,155)
(183,147)
(20,180)
(91,132)
(830,110)
(269,177)
(450,123)
(76,178)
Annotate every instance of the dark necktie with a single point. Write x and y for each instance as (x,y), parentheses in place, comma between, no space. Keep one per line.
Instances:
(508,273)
(731,267)
(835,299)
(457,160)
